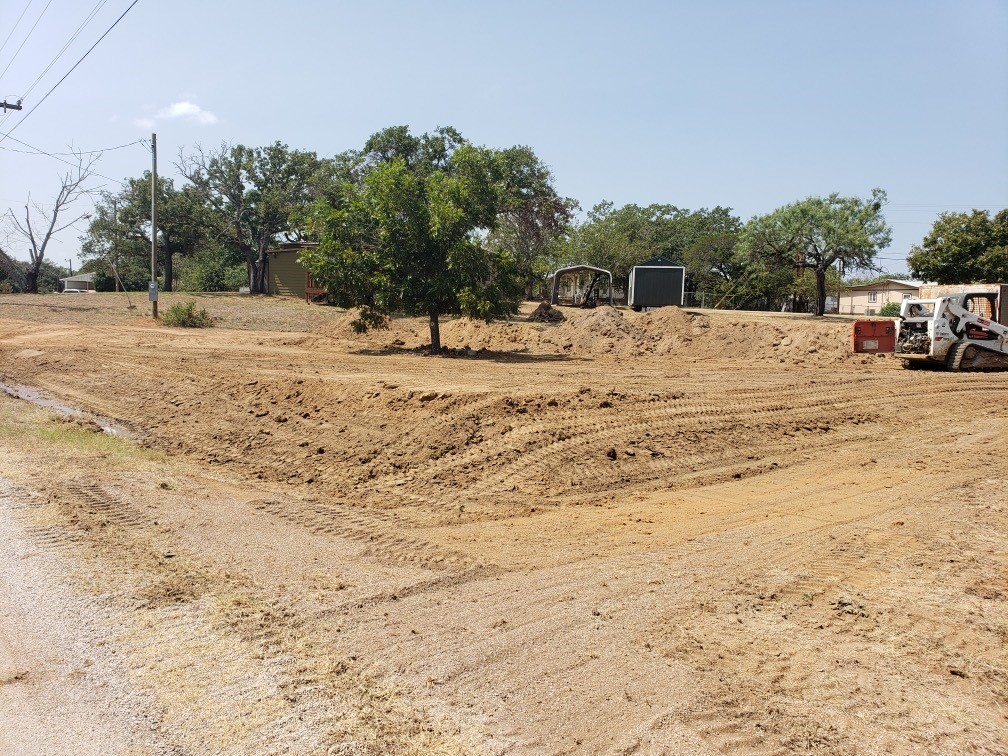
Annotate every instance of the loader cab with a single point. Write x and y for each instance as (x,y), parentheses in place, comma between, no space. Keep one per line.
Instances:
(982,304)
(985,306)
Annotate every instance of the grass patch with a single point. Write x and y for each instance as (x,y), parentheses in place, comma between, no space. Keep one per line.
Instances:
(186,315)
(29,429)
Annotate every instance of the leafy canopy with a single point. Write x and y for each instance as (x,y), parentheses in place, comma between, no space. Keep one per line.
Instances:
(817,232)
(964,248)
(404,232)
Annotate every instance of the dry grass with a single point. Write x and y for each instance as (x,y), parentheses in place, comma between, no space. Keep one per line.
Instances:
(238,311)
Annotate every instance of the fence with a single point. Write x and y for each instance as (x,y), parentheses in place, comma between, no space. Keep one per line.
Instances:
(705,299)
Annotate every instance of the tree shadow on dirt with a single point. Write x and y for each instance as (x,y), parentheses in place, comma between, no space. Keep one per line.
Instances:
(489,355)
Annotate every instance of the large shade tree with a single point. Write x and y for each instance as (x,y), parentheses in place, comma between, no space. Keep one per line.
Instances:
(405,232)
(252,197)
(619,238)
(533,216)
(964,248)
(818,232)
(119,232)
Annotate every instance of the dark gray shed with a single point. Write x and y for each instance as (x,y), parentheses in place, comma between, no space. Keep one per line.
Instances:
(658,282)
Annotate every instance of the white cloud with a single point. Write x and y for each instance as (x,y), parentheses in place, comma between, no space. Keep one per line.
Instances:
(184,109)
(190,111)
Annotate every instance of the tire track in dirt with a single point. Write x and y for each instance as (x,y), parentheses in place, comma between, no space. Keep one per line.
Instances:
(257,655)
(380,535)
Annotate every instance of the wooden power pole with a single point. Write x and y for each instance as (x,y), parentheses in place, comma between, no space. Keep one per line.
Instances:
(153,289)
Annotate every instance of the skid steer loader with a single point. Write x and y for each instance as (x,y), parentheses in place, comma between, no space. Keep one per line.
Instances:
(957,332)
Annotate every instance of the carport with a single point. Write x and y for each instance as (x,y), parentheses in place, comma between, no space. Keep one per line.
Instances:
(586,294)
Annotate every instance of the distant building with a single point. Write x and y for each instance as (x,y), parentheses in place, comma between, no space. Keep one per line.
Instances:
(868,299)
(930,291)
(79,282)
(286,276)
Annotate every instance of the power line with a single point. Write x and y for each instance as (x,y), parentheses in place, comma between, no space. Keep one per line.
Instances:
(16,24)
(94,11)
(98,6)
(33,151)
(67,162)
(46,96)
(27,37)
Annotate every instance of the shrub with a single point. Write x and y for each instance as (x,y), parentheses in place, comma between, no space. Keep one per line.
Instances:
(212,270)
(890,310)
(185,315)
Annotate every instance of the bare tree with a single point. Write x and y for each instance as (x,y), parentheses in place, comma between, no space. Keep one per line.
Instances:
(42,223)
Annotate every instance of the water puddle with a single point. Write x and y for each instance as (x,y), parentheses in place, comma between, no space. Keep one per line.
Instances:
(41,399)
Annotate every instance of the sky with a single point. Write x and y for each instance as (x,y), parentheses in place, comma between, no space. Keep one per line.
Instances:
(748,105)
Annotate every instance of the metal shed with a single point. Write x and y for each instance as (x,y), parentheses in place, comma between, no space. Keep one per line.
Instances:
(286,276)
(573,270)
(658,282)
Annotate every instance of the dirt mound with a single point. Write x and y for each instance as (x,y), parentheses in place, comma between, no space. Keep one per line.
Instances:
(408,333)
(546,313)
(611,332)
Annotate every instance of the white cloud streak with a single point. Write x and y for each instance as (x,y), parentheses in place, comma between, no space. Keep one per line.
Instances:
(190,111)
(182,110)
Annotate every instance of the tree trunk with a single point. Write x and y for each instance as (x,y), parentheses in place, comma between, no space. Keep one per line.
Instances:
(820,292)
(31,279)
(257,275)
(435,333)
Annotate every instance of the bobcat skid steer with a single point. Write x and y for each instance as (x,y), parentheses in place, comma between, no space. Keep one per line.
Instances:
(957,332)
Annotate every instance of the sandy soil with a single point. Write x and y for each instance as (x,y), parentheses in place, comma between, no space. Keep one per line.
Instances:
(674,532)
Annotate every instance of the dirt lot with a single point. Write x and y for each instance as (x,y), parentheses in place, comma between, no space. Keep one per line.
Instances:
(672,532)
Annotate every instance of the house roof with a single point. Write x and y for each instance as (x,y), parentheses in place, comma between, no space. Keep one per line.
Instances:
(89,277)
(887,282)
(658,261)
(576,268)
(292,246)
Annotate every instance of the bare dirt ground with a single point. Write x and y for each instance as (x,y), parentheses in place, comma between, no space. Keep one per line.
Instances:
(672,532)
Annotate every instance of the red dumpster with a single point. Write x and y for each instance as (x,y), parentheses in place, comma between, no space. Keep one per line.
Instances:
(873,336)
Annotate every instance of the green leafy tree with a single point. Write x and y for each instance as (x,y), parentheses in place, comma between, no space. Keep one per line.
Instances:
(111,245)
(119,231)
(817,232)
(408,235)
(212,269)
(533,216)
(49,275)
(619,238)
(11,273)
(253,197)
(964,248)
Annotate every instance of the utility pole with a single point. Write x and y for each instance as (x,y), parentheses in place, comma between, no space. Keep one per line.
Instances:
(10,105)
(152,293)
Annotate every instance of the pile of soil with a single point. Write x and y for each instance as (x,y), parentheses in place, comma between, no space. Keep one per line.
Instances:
(612,332)
(545,313)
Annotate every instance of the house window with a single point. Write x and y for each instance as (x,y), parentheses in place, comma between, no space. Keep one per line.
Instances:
(873,296)
(869,311)
(907,296)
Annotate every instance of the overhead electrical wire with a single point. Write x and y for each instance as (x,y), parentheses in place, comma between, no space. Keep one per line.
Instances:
(94,11)
(16,24)
(55,156)
(81,60)
(27,37)
(31,87)
(34,151)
